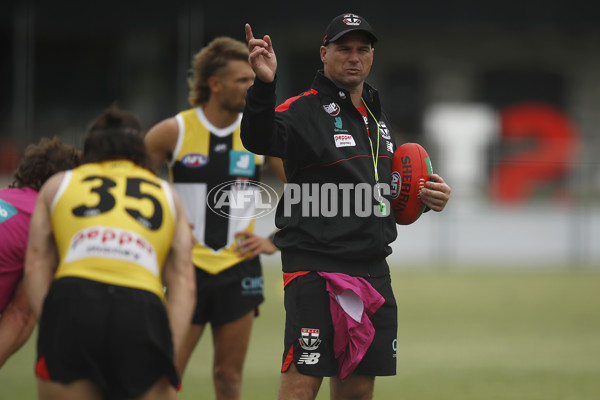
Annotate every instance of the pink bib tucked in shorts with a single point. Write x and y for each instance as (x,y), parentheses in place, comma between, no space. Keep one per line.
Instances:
(352,301)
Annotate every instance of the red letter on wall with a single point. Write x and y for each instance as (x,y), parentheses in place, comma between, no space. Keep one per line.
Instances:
(547,158)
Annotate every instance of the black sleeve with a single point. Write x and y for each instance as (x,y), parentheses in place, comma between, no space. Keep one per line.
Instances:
(261,133)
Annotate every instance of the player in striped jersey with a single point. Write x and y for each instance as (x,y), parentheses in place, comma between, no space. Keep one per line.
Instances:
(203,150)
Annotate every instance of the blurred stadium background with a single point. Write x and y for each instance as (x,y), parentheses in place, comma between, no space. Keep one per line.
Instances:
(503,95)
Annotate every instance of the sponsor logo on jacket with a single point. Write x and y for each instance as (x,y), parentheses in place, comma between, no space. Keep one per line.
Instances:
(344,140)
(332,109)
(339,125)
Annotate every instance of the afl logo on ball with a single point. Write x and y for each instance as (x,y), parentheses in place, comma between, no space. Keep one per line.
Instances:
(395,189)
(194,160)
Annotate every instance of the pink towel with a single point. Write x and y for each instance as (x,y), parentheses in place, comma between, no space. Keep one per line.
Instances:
(352,301)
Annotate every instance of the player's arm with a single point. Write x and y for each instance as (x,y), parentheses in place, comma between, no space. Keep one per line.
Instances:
(179,278)
(276,165)
(16,324)
(41,258)
(161,140)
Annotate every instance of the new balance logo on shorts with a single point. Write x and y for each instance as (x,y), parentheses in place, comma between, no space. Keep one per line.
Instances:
(309,358)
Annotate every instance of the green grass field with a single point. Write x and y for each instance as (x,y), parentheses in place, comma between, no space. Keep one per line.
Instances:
(481,334)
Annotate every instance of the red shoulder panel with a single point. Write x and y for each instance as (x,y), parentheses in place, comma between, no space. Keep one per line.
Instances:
(285,105)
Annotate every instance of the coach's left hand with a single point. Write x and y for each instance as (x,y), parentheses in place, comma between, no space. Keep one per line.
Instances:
(436,193)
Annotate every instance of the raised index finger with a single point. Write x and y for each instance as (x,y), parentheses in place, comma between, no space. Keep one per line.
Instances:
(249,35)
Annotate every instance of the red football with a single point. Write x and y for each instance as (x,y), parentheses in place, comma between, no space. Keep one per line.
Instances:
(411,168)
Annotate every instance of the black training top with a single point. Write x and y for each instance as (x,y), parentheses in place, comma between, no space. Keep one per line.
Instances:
(329,217)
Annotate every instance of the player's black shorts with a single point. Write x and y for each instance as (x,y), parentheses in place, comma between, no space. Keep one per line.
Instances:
(229,295)
(118,337)
(308,314)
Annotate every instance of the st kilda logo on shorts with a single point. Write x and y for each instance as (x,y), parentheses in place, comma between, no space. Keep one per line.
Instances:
(309,339)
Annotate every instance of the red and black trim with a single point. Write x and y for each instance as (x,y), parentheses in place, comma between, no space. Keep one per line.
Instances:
(289,359)
(41,369)
(286,105)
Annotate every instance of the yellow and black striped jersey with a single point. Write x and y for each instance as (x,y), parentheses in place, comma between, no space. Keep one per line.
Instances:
(208,160)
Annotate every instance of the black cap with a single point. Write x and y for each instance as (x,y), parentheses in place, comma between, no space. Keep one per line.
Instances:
(345,23)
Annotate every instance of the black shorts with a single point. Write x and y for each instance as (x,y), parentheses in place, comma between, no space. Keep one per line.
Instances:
(229,295)
(307,310)
(116,336)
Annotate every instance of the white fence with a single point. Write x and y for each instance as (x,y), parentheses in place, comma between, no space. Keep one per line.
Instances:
(486,236)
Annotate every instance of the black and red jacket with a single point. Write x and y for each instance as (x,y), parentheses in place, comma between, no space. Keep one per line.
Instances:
(324,144)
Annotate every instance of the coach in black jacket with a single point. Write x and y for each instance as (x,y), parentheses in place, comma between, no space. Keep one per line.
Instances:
(335,214)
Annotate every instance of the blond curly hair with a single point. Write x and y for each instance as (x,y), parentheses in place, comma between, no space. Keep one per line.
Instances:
(208,61)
